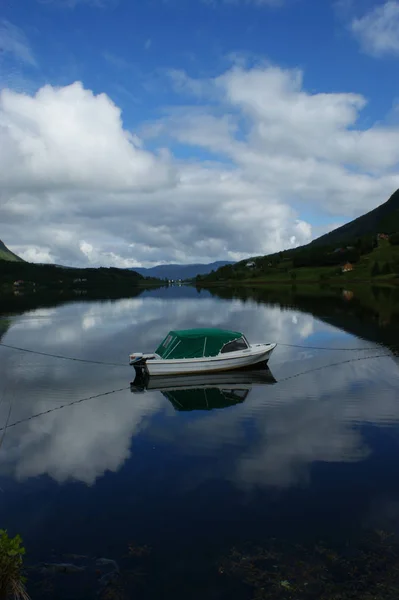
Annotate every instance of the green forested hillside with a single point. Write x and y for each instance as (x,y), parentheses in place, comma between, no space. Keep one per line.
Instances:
(359,243)
(28,276)
(6,254)
(19,276)
(379,259)
(383,219)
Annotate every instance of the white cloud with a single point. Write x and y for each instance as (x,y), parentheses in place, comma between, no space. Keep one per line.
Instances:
(259,150)
(68,137)
(378,30)
(37,255)
(316,129)
(13,41)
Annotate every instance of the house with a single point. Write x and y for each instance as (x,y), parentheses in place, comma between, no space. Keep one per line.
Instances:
(18,283)
(347,268)
(250,264)
(347,294)
(382,236)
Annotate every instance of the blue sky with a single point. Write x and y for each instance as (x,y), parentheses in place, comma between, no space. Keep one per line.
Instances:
(120,43)
(169,130)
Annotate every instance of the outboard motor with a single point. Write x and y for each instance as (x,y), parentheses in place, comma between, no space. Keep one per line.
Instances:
(139,384)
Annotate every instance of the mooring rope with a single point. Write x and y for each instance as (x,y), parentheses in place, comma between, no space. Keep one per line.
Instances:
(112,364)
(83,360)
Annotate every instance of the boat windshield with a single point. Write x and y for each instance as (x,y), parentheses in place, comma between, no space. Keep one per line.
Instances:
(239,344)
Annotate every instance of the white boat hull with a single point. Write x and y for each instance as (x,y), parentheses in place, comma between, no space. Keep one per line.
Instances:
(256,353)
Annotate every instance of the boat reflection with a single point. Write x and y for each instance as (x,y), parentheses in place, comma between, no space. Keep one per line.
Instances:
(204,392)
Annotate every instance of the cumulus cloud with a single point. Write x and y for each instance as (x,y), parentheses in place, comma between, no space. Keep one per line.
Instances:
(66,137)
(13,41)
(259,151)
(378,30)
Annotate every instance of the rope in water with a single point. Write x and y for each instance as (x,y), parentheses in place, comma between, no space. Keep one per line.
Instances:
(111,364)
(342,362)
(50,410)
(83,360)
(329,347)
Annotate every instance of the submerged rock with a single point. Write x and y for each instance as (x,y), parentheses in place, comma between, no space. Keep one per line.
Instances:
(109,578)
(76,556)
(105,562)
(61,568)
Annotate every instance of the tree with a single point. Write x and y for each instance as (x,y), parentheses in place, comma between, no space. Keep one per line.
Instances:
(12,582)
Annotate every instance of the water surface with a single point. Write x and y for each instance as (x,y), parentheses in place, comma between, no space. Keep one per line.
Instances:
(307,456)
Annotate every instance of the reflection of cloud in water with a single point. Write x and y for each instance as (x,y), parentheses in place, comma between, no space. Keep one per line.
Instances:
(90,321)
(294,423)
(133,324)
(82,442)
(307,329)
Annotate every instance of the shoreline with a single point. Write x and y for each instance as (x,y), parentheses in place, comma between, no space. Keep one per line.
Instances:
(394,282)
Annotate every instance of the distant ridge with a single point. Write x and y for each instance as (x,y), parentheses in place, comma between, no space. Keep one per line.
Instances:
(6,254)
(178,271)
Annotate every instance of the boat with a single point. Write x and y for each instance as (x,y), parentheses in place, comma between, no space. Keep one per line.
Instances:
(188,351)
(204,391)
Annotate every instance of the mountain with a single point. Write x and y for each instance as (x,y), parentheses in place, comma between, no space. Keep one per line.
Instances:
(355,245)
(176,271)
(383,219)
(6,254)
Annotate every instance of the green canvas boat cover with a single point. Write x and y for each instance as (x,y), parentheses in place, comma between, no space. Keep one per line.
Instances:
(195,343)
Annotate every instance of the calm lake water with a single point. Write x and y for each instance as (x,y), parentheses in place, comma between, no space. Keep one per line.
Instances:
(166,483)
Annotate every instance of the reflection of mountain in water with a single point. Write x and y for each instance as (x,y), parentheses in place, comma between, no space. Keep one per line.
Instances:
(10,303)
(368,312)
(204,392)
